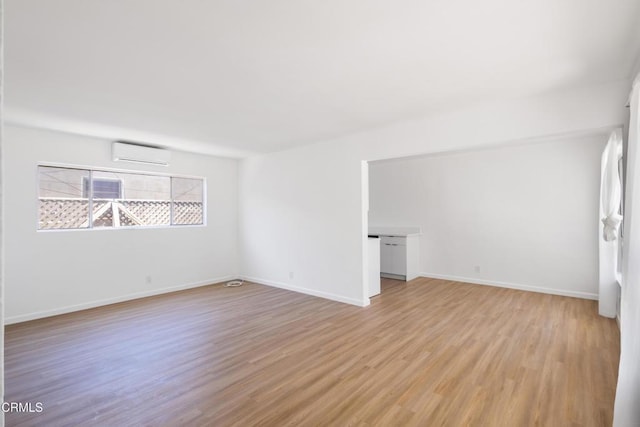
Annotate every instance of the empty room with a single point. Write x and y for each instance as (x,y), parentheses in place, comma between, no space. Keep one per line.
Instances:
(338,213)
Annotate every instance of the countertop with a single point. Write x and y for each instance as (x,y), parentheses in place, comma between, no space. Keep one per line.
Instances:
(395,231)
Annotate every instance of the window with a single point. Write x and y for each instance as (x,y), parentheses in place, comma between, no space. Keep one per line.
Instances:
(73,198)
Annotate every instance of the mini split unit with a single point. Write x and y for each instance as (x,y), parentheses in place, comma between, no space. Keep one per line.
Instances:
(136,153)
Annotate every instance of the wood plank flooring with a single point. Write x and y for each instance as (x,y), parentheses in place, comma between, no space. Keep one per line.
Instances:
(426,353)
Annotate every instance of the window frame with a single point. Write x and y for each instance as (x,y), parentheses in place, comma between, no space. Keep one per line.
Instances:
(92,169)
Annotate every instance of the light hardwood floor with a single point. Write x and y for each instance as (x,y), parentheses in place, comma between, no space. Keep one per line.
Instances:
(426,353)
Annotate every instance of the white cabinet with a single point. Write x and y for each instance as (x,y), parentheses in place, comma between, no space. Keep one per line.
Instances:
(374,266)
(399,257)
(393,256)
(386,259)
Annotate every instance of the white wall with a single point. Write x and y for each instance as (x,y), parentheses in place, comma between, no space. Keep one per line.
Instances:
(526,215)
(303,236)
(301,209)
(50,272)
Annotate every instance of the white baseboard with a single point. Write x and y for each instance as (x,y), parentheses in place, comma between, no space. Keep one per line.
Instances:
(107,301)
(542,290)
(307,291)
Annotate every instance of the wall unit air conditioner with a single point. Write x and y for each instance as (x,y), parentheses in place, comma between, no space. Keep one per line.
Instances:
(126,152)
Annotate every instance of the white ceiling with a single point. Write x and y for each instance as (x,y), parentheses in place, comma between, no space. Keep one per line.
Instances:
(239,77)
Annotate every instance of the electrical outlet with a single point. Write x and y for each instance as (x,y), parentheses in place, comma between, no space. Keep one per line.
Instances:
(291,275)
(148,280)
(477,268)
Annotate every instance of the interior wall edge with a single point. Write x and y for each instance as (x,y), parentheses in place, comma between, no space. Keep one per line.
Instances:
(114,300)
(517,286)
(603,132)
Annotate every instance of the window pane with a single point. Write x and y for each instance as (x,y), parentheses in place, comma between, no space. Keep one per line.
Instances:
(103,188)
(187,201)
(128,199)
(62,203)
